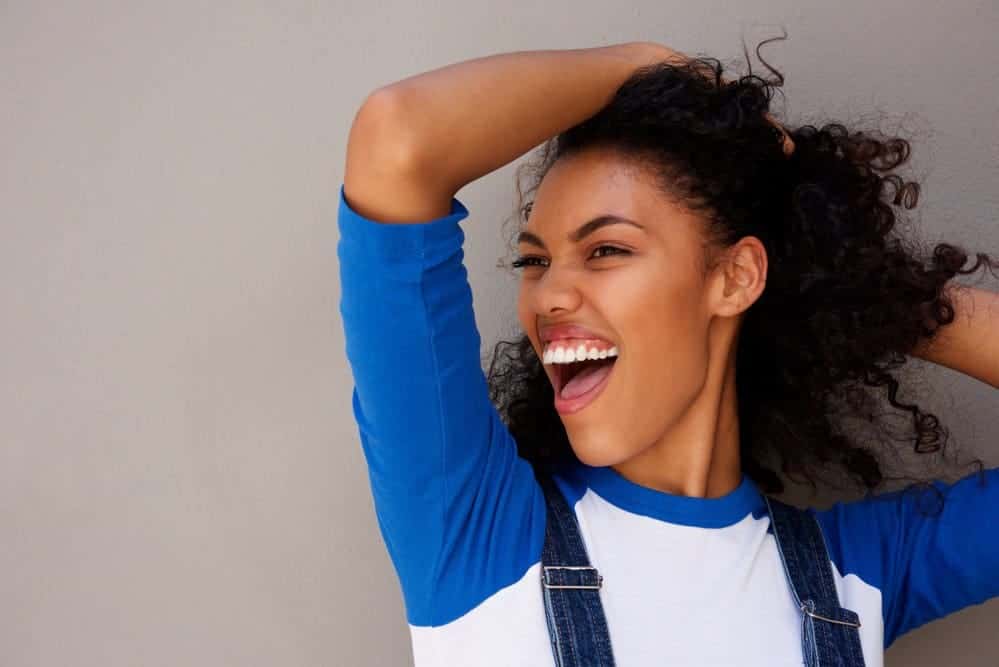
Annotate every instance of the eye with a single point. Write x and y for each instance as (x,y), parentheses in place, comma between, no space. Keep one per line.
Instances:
(534,260)
(528,260)
(617,251)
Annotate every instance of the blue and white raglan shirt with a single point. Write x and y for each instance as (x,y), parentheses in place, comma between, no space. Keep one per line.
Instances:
(687,581)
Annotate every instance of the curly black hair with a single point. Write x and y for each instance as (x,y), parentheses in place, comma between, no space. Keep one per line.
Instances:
(847,297)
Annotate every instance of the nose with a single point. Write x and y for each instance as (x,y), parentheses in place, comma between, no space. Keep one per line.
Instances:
(555,290)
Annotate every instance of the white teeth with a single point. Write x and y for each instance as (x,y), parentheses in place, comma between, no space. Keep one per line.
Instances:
(568,355)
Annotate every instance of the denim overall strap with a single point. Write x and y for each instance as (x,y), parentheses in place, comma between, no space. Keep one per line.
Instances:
(829,635)
(571,589)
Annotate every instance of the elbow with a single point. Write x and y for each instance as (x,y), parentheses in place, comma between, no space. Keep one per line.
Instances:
(380,138)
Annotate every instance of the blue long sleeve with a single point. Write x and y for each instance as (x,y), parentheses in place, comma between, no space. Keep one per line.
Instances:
(460,512)
(926,567)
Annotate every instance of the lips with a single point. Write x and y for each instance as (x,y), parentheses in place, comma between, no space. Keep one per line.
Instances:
(562,373)
(560,331)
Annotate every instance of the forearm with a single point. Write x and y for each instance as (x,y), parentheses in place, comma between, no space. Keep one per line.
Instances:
(467,119)
(970,344)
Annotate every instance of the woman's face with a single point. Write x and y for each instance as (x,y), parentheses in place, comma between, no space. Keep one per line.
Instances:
(644,295)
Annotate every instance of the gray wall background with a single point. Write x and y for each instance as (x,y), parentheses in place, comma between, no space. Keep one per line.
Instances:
(180,477)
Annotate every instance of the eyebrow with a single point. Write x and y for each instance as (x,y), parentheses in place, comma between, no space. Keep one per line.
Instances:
(582,232)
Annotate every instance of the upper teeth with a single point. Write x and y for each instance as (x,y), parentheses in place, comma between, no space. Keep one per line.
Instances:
(566,355)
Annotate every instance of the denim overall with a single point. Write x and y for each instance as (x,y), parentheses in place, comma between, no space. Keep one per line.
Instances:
(578,627)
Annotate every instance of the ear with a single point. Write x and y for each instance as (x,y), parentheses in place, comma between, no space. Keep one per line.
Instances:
(740,276)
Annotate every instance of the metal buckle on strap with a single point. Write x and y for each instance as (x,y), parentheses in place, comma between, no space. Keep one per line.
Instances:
(807,605)
(546,568)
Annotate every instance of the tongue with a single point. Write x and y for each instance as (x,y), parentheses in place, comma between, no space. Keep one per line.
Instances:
(586,379)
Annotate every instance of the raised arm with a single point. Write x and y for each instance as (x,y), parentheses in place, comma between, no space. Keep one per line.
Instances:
(969,344)
(461,513)
(416,142)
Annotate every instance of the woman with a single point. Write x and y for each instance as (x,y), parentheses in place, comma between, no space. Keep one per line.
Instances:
(733,287)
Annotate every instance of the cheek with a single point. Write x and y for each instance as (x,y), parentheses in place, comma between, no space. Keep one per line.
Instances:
(678,304)
(658,311)
(668,337)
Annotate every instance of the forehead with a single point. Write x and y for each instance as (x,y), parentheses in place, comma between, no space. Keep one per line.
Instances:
(599,182)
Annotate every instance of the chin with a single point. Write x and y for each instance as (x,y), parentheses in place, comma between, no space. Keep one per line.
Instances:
(597,452)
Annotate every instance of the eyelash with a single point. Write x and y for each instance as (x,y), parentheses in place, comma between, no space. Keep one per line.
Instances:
(526,260)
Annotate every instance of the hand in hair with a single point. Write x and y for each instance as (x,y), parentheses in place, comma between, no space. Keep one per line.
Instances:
(660,53)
